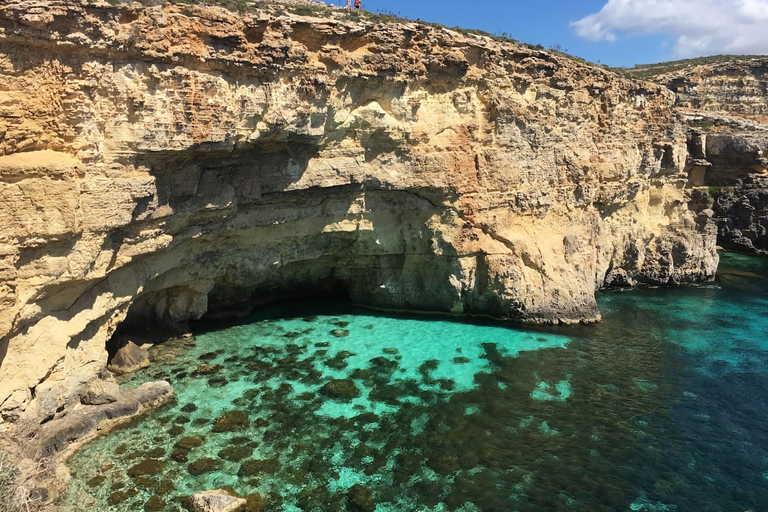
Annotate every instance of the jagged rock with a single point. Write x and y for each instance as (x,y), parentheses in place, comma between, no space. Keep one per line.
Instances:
(216,501)
(415,169)
(738,86)
(128,358)
(99,392)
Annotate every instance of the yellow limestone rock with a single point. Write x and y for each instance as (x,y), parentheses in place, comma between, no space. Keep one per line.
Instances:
(165,162)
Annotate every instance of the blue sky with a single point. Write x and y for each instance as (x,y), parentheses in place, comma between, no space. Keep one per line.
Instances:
(614,32)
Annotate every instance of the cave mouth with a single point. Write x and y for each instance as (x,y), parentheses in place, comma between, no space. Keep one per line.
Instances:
(227,306)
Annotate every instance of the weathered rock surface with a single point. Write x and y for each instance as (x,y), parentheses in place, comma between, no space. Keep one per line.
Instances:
(216,501)
(100,392)
(727,106)
(729,162)
(164,163)
(82,423)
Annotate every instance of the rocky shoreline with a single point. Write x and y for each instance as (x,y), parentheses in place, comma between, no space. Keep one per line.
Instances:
(183,162)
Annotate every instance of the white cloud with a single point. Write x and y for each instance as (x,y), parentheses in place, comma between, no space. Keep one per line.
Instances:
(700,27)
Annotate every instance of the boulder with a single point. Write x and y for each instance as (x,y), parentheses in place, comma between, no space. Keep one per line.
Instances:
(128,358)
(100,392)
(216,501)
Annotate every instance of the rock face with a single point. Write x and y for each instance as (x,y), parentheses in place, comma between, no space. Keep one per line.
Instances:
(100,392)
(729,164)
(731,167)
(737,87)
(163,163)
(727,107)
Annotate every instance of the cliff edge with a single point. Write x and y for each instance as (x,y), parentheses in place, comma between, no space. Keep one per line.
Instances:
(168,162)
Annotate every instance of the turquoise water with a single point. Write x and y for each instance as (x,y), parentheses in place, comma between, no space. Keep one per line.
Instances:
(327,407)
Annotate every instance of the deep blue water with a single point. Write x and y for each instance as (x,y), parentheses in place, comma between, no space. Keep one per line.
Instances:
(659,407)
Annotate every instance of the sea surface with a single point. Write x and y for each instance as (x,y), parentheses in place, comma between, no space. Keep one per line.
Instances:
(325,407)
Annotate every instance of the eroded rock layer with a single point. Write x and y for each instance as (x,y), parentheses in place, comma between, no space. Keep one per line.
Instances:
(172,161)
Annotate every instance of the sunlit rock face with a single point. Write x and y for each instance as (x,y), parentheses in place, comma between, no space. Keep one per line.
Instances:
(168,162)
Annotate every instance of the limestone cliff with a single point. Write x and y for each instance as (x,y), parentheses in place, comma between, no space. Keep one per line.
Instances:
(726,107)
(172,161)
(736,87)
(729,166)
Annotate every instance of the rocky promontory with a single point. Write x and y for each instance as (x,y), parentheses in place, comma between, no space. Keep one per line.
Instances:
(160,164)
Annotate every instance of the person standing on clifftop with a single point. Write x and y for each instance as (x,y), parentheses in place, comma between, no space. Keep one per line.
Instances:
(357,5)
(349,5)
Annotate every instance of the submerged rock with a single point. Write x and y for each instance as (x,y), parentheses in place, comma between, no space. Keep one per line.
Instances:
(255,503)
(189,408)
(360,499)
(204,465)
(236,453)
(146,467)
(189,442)
(207,369)
(117,497)
(256,467)
(179,455)
(340,333)
(96,481)
(218,382)
(341,389)
(154,504)
(233,421)
(216,501)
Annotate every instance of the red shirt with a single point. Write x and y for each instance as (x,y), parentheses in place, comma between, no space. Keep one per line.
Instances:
(357,3)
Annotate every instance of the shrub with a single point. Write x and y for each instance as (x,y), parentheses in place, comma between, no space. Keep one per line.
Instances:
(11,492)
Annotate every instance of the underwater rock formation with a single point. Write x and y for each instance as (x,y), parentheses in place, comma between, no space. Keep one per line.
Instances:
(170,162)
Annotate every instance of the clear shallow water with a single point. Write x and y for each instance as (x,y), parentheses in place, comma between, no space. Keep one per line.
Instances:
(660,407)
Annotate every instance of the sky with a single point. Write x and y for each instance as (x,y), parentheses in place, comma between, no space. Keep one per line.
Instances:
(613,32)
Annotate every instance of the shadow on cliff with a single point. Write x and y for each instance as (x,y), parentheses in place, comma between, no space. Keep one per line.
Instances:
(213,176)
